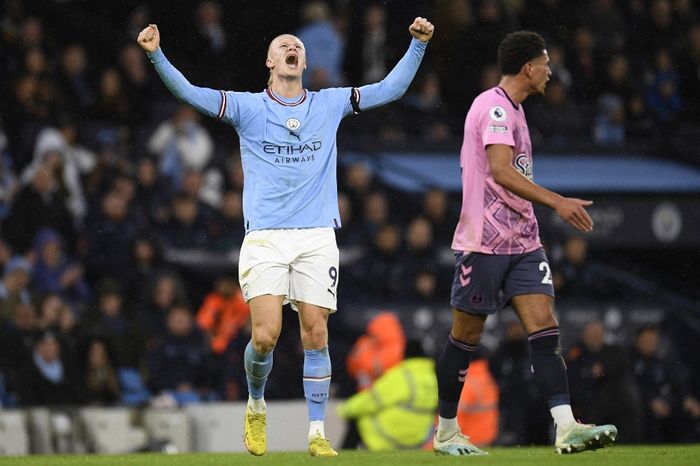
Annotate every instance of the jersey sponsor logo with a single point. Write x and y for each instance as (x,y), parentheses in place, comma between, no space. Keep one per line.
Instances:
(523,165)
(294,149)
(498,129)
(498,113)
(293,124)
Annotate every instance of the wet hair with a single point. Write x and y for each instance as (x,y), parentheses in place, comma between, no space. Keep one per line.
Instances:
(518,48)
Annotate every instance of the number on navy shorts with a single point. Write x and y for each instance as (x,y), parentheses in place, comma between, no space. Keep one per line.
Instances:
(544,267)
(333,273)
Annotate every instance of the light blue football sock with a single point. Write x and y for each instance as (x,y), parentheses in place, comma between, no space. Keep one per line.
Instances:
(257,368)
(317,381)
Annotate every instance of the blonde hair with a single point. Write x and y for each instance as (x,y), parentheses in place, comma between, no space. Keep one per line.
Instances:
(269,48)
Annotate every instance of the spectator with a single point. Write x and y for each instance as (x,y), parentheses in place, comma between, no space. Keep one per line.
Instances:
(17,336)
(557,63)
(181,143)
(609,126)
(54,271)
(666,401)
(583,63)
(49,379)
(690,78)
(73,79)
(359,183)
(576,275)
(366,60)
(434,126)
(567,128)
(58,150)
(420,249)
(350,236)
(383,276)
(14,286)
(180,363)
(209,46)
(110,322)
(108,237)
(187,228)
(152,193)
(112,106)
(375,213)
(100,377)
(8,179)
(229,231)
(522,419)
(424,290)
(38,204)
(137,83)
(145,265)
(436,210)
(663,93)
(165,292)
(324,47)
(601,383)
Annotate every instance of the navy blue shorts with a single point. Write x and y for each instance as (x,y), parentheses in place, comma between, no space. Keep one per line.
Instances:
(484,283)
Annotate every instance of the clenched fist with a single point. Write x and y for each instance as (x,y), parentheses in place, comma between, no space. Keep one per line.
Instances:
(149,38)
(421,29)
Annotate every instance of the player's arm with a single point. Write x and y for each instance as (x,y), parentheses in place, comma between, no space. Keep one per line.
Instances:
(570,209)
(208,101)
(397,81)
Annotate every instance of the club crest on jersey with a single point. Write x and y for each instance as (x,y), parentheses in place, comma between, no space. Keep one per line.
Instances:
(293,124)
(497,113)
(523,165)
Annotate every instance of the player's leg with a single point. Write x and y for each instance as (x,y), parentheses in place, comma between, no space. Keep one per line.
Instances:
(312,292)
(313,324)
(266,323)
(266,320)
(264,278)
(474,296)
(530,290)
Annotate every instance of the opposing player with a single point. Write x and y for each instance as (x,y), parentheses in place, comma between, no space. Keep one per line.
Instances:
(499,254)
(290,204)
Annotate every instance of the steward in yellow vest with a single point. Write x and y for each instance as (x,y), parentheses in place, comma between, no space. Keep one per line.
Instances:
(398,410)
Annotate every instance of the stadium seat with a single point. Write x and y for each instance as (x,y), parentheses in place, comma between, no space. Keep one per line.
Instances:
(14,439)
(110,430)
(171,425)
(134,392)
(217,426)
(39,425)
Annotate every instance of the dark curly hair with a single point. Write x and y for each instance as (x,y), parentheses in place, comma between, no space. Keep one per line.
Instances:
(518,48)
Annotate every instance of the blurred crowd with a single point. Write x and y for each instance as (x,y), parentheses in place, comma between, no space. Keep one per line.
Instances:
(115,200)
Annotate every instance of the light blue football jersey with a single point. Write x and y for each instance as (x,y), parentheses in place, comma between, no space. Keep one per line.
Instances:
(288,146)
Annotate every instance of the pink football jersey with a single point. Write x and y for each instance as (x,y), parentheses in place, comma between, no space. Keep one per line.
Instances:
(493,220)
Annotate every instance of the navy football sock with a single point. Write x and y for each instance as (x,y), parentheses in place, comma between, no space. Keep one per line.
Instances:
(548,366)
(451,371)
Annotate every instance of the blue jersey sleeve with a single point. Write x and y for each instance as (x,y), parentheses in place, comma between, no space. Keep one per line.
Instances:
(396,82)
(208,101)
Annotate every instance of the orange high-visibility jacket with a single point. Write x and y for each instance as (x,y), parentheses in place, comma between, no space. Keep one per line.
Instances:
(478,404)
(379,349)
(223,318)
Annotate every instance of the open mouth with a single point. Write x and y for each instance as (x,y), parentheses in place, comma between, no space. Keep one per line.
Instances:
(292,60)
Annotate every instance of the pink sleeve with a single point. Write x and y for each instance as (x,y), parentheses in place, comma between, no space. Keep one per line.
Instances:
(496,124)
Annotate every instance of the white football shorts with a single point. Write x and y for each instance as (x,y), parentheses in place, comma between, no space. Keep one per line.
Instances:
(300,264)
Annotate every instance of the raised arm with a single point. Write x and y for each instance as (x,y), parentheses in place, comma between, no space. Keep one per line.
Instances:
(397,81)
(207,101)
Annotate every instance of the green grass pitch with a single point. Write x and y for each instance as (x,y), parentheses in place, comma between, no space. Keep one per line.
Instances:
(628,455)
